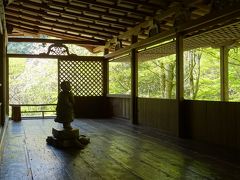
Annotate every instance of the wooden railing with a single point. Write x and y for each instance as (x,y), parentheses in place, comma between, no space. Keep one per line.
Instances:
(17,110)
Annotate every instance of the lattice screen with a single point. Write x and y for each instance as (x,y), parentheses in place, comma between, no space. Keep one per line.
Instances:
(86,77)
(224,35)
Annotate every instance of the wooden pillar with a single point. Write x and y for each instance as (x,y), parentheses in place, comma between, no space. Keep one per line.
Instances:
(106,74)
(224,73)
(7,85)
(180,85)
(134,83)
(3,76)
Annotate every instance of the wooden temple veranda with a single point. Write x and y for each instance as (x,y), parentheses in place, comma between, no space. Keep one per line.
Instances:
(125,31)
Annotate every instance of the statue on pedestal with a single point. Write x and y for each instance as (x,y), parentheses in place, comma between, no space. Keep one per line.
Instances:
(68,136)
(65,104)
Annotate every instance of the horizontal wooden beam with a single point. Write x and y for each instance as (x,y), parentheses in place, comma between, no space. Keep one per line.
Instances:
(210,20)
(79,9)
(138,28)
(66,36)
(146,3)
(57,25)
(116,7)
(36,40)
(53,33)
(74,15)
(164,36)
(68,21)
(26,30)
(45,56)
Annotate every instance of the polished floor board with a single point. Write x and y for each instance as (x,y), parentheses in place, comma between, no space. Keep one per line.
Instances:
(118,150)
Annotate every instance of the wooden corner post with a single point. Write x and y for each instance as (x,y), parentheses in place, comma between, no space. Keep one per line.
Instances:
(134,83)
(224,73)
(3,67)
(180,85)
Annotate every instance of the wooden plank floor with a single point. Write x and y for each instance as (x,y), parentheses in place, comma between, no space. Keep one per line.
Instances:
(117,151)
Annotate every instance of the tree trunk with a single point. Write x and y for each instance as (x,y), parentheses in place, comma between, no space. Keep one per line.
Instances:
(162,80)
(170,77)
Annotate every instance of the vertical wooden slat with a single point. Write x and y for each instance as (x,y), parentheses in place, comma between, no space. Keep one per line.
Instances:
(224,73)
(179,85)
(134,84)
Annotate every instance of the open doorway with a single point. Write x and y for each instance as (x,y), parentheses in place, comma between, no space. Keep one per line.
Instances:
(33,84)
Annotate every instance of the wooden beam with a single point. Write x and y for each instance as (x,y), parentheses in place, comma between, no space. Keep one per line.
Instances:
(134,83)
(210,20)
(37,25)
(26,30)
(45,56)
(66,36)
(16,12)
(37,40)
(79,9)
(75,15)
(145,3)
(194,25)
(50,32)
(72,27)
(144,25)
(224,73)
(164,36)
(116,7)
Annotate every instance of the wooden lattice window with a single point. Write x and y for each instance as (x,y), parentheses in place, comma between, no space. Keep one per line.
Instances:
(86,77)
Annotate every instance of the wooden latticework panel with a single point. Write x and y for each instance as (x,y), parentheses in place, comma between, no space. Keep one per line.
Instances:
(86,77)
(226,35)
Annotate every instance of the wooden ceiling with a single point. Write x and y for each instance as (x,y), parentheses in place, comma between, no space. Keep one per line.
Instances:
(97,21)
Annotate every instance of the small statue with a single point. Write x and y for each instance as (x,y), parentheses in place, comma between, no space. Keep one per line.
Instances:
(65,104)
(68,136)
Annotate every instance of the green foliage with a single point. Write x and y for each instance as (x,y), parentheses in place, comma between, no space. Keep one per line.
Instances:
(202,74)
(119,78)
(234,74)
(32,81)
(156,78)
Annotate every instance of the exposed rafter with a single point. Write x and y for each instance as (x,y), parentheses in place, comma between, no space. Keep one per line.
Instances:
(136,30)
(73,15)
(76,28)
(59,18)
(115,7)
(68,6)
(96,21)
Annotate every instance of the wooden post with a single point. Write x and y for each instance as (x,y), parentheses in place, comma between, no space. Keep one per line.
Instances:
(2,79)
(7,86)
(3,73)
(224,73)
(134,83)
(58,75)
(179,85)
(106,74)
